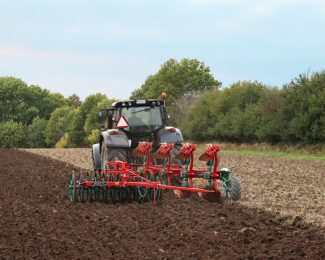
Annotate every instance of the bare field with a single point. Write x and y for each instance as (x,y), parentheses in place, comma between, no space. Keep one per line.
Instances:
(293,188)
(80,157)
(38,221)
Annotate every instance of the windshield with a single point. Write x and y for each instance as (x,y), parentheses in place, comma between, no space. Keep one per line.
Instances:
(142,119)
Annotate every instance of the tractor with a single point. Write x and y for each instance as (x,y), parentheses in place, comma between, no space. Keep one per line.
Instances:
(138,157)
(127,123)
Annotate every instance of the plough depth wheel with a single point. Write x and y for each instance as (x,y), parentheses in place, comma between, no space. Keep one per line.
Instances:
(233,190)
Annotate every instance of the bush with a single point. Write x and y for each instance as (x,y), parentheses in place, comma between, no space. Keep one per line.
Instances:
(12,135)
(75,129)
(228,114)
(36,137)
(61,119)
(304,111)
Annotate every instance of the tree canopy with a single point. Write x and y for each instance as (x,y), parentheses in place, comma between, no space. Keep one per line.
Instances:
(176,78)
(34,117)
(251,111)
(22,103)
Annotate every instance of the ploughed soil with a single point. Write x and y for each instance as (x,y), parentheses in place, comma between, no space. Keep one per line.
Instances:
(37,220)
(286,186)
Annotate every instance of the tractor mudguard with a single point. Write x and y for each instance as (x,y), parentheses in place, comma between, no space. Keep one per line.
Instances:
(169,135)
(115,138)
(96,156)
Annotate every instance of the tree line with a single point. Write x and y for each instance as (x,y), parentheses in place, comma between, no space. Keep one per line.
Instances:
(253,112)
(246,111)
(31,116)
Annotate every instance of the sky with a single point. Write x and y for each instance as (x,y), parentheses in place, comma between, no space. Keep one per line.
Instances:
(111,47)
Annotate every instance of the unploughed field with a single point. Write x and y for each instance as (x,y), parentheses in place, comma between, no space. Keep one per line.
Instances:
(280,216)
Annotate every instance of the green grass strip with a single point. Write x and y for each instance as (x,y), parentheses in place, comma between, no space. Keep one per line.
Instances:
(268,153)
(285,155)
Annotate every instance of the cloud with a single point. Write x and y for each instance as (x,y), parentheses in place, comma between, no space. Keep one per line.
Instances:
(86,84)
(234,16)
(257,6)
(42,56)
(69,72)
(25,53)
(217,2)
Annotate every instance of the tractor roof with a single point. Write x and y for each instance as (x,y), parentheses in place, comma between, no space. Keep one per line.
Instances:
(137,103)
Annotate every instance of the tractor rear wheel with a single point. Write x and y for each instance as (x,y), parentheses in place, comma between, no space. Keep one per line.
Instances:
(110,154)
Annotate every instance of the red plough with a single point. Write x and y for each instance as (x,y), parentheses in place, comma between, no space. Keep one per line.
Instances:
(122,181)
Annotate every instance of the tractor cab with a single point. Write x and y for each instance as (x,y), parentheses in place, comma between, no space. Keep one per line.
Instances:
(136,120)
(134,116)
(140,116)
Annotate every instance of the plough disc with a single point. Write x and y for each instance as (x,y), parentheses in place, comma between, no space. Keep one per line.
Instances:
(80,190)
(99,192)
(72,187)
(142,193)
(104,189)
(154,193)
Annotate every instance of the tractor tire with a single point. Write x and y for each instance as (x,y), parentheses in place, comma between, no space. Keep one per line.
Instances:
(235,188)
(110,154)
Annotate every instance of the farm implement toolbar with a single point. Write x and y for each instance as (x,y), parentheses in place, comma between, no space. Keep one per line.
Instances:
(125,182)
